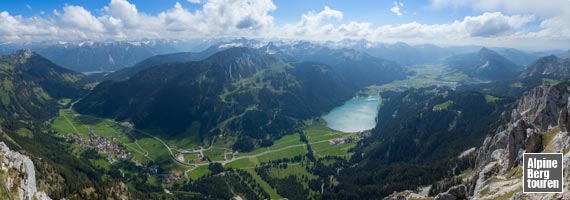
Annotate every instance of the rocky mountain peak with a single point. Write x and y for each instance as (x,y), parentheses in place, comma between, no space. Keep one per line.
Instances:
(539,123)
(25,53)
(542,105)
(548,66)
(25,179)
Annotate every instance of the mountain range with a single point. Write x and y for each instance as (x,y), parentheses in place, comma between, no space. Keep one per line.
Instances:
(253,108)
(241,92)
(485,64)
(31,86)
(91,56)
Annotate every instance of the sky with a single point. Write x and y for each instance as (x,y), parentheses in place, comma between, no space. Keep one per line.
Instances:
(529,24)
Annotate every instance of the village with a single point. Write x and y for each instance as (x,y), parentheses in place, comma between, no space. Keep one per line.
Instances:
(112,150)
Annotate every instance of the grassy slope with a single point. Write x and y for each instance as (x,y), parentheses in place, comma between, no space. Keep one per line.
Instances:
(146,149)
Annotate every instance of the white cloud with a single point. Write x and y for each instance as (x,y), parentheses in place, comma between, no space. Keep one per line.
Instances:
(550,8)
(121,19)
(78,17)
(494,24)
(124,11)
(177,19)
(229,15)
(194,1)
(555,29)
(311,23)
(396,8)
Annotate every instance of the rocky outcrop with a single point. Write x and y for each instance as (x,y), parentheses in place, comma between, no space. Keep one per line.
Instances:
(538,115)
(537,111)
(455,193)
(541,106)
(564,120)
(18,171)
(539,123)
(522,137)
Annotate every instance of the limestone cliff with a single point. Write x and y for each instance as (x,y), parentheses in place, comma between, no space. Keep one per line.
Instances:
(18,176)
(539,123)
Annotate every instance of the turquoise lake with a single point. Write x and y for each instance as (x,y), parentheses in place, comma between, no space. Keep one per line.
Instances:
(357,114)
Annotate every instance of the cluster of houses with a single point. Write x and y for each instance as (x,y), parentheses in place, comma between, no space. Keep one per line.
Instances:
(350,139)
(103,145)
(336,141)
(168,178)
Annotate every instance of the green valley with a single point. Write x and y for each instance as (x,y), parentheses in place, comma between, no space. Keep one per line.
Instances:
(194,162)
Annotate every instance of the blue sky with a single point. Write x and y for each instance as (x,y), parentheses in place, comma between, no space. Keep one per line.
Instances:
(525,23)
(377,11)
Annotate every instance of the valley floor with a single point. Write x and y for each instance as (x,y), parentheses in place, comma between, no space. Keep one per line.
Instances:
(181,160)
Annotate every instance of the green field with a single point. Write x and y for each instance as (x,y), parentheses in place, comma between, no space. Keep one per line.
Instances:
(319,132)
(145,148)
(290,146)
(285,141)
(272,192)
(491,98)
(24,132)
(137,152)
(156,150)
(291,170)
(442,106)
(429,75)
(244,163)
(319,136)
(325,149)
(288,153)
(215,154)
(69,122)
(199,172)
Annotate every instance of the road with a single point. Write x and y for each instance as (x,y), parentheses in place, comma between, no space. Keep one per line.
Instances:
(201,149)
(223,162)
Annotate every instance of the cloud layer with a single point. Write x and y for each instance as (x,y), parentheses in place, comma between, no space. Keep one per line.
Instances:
(500,23)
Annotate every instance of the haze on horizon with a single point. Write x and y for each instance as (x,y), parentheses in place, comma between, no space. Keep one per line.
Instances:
(526,24)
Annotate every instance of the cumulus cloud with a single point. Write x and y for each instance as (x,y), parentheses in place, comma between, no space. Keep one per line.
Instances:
(121,19)
(550,8)
(124,11)
(178,19)
(315,24)
(396,8)
(494,24)
(78,17)
(194,1)
(551,13)
(228,15)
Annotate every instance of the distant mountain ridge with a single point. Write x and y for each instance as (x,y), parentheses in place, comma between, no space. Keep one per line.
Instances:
(31,85)
(90,56)
(241,92)
(485,64)
(549,66)
(360,69)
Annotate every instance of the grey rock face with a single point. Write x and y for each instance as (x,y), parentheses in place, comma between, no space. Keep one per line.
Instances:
(522,137)
(485,154)
(564,120)
(455,193)
(538,111)
(541,106)
(26,190)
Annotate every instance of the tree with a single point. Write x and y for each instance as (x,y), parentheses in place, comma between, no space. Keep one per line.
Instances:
(215,168)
